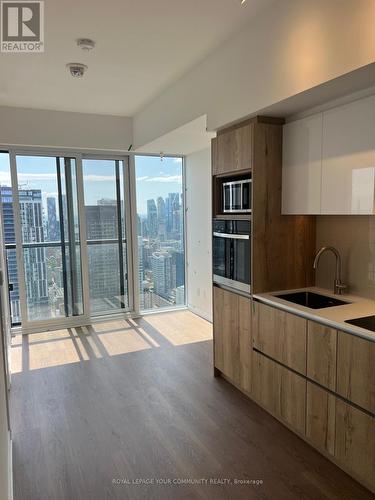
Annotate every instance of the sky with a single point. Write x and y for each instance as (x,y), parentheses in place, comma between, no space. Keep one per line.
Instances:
(154,177)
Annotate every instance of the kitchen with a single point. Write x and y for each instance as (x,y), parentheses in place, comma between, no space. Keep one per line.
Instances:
(294,315)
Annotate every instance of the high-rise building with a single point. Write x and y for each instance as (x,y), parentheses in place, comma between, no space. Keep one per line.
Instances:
(162,226)
(30,201)
(173,215)
(161,264)
(6,199)
(53,231)
(102,224)
(152,218)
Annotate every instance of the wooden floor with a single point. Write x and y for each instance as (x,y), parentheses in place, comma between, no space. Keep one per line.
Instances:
(99,411)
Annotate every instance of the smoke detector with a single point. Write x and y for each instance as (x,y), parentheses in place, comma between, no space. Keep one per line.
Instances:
(85,44)
(77,70)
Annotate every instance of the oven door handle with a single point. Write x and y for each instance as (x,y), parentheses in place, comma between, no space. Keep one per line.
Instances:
(232,236)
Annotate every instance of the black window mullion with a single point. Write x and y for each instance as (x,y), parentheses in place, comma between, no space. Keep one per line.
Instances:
(62,236)
(119,234)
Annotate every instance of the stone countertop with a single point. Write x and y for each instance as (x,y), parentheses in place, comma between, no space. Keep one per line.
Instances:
(333,317)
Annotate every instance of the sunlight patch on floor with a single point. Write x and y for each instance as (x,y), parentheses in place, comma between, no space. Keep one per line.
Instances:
(181,327)
(102,340)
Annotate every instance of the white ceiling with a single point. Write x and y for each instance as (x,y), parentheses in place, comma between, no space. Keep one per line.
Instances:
(142,47)
(184,140)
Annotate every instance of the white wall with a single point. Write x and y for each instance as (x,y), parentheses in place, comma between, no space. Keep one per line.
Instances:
(198,227)
(61,129)
(290,47)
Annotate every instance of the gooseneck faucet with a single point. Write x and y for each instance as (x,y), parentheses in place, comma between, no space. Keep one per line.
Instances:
(339,286)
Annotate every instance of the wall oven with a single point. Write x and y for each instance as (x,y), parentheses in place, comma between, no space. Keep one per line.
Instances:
(231,248)
(237,196)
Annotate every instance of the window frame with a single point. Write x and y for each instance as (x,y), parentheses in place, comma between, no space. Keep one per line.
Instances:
(130,201)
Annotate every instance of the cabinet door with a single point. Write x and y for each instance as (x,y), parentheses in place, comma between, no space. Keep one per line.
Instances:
(214,157)
(280,391)
(320,418)
(234,150)
(280,335)
(348,163)
(245,342)
(355,370)
(226,336)
(321,354)
(355,442)
(302,163)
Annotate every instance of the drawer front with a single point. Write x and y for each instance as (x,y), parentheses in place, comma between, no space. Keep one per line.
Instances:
(355,442)
(321,354)
(320,418)
(280,391)
(355,370)
(281,336)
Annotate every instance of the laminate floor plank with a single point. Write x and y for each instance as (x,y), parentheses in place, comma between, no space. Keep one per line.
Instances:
(98,407)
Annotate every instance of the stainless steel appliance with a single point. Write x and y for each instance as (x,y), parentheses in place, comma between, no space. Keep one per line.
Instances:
(231,254)
(237,196)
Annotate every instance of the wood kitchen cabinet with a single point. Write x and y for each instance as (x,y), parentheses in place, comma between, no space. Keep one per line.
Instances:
(280,391)
(355,442)
(355,370)
(232,336)
(280,335)
(320,418)
(321,354)
(234,148)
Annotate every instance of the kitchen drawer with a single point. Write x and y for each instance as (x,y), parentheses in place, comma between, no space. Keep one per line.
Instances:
(320,418)
(355,442)
(355,370)
(321,354)
(280,391)
(280,335)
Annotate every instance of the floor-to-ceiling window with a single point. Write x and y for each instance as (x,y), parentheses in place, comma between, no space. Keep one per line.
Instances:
(160,231)
(67,231)
(49,251)
(104,186)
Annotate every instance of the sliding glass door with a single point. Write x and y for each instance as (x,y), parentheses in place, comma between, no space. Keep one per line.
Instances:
(67,230)
(105,217)
(45,202)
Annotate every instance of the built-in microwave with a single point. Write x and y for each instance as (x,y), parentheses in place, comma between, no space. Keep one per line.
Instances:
(237,196)
(231,254)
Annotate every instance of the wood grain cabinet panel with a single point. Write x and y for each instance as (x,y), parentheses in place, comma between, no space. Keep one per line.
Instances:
(320,418)
(245,342)
(280,391)
(280,335)
(355,442)
(234,150)
(232,336)
(214,157)
(355,370)
(321,354)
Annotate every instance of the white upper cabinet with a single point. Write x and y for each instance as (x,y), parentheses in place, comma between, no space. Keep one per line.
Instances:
(348,162)
(302,162)
(329,161)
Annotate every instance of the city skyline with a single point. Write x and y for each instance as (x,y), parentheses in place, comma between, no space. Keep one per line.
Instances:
(158,177)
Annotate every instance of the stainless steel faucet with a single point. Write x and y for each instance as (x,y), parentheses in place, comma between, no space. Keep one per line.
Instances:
(339,286)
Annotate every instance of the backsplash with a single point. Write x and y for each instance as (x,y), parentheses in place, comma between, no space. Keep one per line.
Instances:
(354,237)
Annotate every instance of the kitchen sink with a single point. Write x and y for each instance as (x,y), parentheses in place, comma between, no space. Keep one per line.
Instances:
(367,322)
(311,299)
